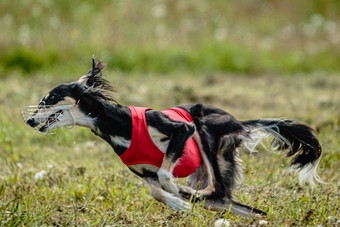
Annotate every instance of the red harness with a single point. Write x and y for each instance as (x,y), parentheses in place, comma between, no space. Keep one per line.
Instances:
(142,149)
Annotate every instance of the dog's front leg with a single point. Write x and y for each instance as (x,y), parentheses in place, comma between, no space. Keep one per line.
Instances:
(165,176)
(177,133)
(165,197)
(175,150)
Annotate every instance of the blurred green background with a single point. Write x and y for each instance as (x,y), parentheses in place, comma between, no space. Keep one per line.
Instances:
(247,36)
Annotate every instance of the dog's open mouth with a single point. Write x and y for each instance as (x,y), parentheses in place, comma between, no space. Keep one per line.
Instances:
(42,121)
(45,125)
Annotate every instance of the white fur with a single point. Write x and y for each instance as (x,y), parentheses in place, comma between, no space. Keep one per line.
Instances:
(156,137)
(171,200)
(261,136)
(120,141)
(74,117)
(255,138)
(175,202)
(166,180)
(309,172)
(164,174)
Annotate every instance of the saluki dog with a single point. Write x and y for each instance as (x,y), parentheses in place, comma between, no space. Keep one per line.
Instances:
(197,141)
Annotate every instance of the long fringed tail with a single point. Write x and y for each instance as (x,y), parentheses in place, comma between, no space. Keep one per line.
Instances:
(297,139)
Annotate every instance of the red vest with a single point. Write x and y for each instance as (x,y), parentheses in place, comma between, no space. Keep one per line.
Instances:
(142,149)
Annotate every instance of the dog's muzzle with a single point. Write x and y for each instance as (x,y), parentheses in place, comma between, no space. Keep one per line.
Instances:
(41,118)
(32,122)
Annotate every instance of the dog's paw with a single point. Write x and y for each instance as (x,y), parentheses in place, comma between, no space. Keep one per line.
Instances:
(178,204)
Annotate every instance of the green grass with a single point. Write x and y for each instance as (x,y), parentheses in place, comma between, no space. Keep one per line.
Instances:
(252,58)
(86,184)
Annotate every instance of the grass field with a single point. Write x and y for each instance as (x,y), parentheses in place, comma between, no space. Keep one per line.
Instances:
(85,183)
(252,58)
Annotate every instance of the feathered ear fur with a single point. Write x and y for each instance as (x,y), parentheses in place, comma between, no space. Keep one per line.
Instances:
(93,77)
(94,83)
(96,68)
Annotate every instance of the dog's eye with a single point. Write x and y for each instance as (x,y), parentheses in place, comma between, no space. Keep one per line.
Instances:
(53,97)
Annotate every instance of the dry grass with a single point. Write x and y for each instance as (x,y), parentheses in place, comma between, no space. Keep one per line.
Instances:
(86,184)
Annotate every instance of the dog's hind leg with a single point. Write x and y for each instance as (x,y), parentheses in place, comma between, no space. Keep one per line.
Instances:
(165,197)
(228,169)
(229,163)
(213,124)
(231,172)
(210,186)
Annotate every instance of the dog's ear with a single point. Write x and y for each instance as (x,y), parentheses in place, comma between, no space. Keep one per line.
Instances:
(93,75)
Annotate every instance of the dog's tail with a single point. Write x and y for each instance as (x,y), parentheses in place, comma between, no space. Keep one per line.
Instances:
(297,139)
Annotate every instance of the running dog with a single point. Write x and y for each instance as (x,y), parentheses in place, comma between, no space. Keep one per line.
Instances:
(197,141)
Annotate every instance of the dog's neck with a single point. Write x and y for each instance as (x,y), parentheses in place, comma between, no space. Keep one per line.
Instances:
(111,122)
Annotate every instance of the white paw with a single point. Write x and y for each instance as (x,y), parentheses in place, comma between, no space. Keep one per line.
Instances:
(177,203)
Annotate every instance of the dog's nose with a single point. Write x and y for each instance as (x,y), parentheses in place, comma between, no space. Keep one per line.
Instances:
(32,122)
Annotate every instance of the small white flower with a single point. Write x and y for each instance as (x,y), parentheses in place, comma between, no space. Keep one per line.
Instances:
(101,197)
(222,223)
(50,166)
(19,165)
(40,175)
(263,222)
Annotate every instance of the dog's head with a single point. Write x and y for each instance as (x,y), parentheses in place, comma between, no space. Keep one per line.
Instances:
(70,104)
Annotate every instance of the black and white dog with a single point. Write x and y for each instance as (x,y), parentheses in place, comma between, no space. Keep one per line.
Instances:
(216,134)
